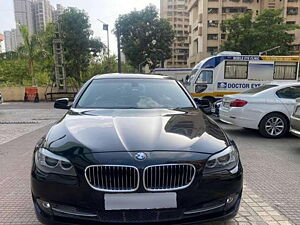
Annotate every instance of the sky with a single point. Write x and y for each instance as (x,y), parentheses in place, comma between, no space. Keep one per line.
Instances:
(105,10)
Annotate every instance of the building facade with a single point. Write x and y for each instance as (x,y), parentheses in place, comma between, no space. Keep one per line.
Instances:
(35,15)
(10,40)
(175,11)
(24,16)
(43,12)
(206,16)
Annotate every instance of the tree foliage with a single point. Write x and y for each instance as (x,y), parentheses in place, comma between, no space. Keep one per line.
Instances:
(145,37)
(78,44)
(105,65)
(266,31)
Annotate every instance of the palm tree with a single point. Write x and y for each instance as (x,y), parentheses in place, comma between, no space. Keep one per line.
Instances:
(29,50)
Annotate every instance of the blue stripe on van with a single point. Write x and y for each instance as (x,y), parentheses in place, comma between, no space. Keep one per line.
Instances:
(216,60)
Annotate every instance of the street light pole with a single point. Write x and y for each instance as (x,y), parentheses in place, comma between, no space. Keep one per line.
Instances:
(119,52)
(105,27)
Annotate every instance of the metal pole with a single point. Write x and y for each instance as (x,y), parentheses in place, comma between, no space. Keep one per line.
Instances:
(119,53)
(107,41)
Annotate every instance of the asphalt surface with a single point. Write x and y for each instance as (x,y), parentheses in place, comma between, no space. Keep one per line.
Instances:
(272,168)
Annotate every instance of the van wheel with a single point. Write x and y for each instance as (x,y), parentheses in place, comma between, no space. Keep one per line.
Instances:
(274,125)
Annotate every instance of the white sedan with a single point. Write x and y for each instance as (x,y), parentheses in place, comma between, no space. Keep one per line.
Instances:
(267,108)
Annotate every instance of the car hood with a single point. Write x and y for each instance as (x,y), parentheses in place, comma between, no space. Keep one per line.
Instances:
(128,130)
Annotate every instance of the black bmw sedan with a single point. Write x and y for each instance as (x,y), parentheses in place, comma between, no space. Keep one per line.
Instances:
(135,149)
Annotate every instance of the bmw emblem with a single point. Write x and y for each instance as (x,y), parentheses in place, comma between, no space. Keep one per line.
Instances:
(140,156)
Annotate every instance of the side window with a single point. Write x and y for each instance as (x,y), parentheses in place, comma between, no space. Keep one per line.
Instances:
(285,70)
(290,92)
(236,70)
(205,77)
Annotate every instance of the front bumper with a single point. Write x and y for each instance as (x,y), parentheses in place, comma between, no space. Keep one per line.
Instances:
(72,200)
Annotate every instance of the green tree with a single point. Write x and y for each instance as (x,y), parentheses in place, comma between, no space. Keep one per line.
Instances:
(29,51)
(145,38)
(78,44)
(266,31)
(105,65)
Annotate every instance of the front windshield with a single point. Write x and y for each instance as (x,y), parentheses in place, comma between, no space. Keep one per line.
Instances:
(259,89)
(134,93)
(192,75)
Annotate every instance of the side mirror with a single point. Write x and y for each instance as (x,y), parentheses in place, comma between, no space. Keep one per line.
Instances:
(202,103)
(62,103)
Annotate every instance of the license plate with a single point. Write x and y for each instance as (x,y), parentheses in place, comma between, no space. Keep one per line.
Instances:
(140,201)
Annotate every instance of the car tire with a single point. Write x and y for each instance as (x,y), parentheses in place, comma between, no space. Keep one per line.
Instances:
(274,125)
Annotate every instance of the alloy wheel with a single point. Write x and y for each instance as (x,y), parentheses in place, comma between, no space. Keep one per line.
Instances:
(274,126)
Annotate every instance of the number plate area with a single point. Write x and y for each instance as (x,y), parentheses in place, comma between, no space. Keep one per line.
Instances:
(140,201)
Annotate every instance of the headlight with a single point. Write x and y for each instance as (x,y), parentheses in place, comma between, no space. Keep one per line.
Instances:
(225,160)
(49,162)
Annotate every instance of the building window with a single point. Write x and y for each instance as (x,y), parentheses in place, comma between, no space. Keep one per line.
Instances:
(292,11)
(223,36)
(212,36)
(170,13)
(285,70)
(236,70)
(213,50)
(213,0)
(212,23)
(212,10)
(234,9)
(290,22)
(292,0)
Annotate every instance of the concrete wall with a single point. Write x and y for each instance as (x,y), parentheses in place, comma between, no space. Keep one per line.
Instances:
(17,93)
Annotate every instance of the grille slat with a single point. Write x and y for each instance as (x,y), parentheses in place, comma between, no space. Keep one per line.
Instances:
(112,178)
(168,176)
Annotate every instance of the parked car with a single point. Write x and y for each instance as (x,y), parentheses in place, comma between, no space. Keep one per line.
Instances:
(267,108)
(295,119)
(135,149)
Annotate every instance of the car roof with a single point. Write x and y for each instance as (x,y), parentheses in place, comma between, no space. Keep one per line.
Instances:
(283,84)
(131,76)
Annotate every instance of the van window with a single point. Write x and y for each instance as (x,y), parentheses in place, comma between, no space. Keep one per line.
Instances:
(236,70)
(205,77)
(285,70)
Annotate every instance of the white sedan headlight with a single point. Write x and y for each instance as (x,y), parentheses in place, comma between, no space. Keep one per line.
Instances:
(49,162)
(225,160)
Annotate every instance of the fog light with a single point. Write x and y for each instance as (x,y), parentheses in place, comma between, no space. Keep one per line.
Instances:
(46,205)
(229,200)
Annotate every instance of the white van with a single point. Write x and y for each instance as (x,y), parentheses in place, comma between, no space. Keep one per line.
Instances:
(179,74)
(221,75)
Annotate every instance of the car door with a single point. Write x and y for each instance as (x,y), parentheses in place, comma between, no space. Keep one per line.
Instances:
(288,96)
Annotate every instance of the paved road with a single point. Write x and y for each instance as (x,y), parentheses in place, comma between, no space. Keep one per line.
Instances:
(272,181)
(272,168)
